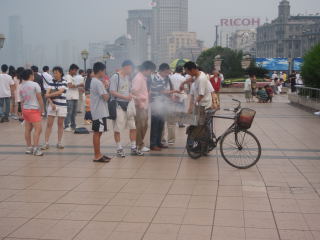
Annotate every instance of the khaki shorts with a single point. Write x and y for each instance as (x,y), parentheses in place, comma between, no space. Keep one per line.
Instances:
(59,112)
(122,121)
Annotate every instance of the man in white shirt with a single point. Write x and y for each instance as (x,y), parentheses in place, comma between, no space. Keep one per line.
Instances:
(80,79)
(248,89)
(6,92)
(47,80)
(201,91)
(72,98)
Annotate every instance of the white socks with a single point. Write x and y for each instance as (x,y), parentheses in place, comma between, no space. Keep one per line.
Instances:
(133,145)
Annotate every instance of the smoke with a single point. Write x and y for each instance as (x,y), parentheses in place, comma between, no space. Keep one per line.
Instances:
(164,106)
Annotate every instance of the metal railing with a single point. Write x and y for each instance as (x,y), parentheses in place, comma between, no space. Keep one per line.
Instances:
(308,94)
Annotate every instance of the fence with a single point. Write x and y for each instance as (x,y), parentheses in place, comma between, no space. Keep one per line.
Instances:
(307,97)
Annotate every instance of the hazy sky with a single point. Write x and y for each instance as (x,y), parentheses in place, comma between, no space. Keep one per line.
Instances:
(48,21)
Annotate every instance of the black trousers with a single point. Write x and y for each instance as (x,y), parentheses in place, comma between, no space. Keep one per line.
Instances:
(157,126)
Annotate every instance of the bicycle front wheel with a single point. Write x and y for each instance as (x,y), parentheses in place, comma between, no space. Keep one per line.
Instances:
(241,149)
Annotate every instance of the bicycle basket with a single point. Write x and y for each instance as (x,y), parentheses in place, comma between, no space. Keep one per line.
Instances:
(245,118)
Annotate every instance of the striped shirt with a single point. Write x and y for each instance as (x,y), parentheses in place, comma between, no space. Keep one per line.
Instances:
(55,86)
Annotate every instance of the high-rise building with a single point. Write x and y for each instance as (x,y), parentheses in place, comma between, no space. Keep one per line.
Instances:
(96,52)
(183,45)
(15,41)
(288,36)
(168,16)
(139,24)
(244,40)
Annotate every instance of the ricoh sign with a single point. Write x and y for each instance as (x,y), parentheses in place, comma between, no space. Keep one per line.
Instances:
(240,22)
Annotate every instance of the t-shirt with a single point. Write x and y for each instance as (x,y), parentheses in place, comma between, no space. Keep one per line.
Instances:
(177,79)
(47,79)
(73,93)
(28,94)
(38,79)
(158,85)
(203,87)
(140,91)
(99,106)
(121,85)
(55,86)
(262,94)
(5,82)
(247,85)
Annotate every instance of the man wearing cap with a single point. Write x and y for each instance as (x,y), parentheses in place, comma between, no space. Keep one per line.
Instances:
(120,90)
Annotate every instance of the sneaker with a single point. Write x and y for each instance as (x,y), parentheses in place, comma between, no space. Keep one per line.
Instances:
(45,147)
(171,142)
(68,129)
(136,152)
(317,113)
(60,146)
(38,152)
(145,149)
(29,151)
(14,117)
(120,153)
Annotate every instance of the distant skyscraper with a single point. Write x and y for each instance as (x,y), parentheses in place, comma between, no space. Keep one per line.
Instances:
(15,41)
(139,24)
(168,16)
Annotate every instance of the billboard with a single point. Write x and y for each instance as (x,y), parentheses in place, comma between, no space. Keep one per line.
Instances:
(297,63)
(240,22)
(273,64)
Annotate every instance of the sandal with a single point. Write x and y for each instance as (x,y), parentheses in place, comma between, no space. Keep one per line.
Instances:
(103,159)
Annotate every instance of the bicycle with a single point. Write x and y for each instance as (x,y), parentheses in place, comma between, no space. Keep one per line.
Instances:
(239,147)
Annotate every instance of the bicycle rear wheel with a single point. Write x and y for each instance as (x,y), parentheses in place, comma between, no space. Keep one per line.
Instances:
(241,149)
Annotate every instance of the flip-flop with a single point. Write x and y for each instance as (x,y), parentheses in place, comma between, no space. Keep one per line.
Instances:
(103,159)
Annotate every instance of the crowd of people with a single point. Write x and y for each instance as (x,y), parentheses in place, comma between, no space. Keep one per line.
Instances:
(127,98)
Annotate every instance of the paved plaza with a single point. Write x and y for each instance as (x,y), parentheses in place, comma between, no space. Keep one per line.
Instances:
(166,195)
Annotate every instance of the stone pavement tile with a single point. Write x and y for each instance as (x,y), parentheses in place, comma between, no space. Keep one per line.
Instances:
(230,203)
(7,193)
(7,170)
(97,231)
(156,174)
(230,191)
(261,234)
(57,183)
(229,218)
(147,186)
(140,214)
(36,196)
(309,206)
(228,233)
(176,201)
(34,172)
(313,221)
(206,202)
(70,212)
(290,221)
(74,172)
(115,173)
(183,187)
(8,225)
(255,219)
(150,200)
(191,232)
(129,231)
(316,235)
(17,182)
(280,192)
(112,213)
(49,229)
(198,217)
(21,209)
(49,163)
(170,215)
(295,235)
(12,161)
(256,204)
(202,187)
(305,193)
(285,205)
(98,198)
(124,199)
(83,163)
(162,232)
(253,191)
(101,185)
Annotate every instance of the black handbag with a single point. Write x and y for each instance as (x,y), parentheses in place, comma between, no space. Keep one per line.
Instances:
(112,104)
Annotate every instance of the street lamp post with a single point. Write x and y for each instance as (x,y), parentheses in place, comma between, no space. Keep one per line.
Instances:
(2,39)
(84,55)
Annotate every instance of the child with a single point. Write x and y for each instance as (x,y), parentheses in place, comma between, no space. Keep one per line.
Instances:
(32,108)
(99,109)
(269,92)
(262,95)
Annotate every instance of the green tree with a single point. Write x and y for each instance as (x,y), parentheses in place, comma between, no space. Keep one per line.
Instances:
(259,71)
(311,68)
(231,64)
